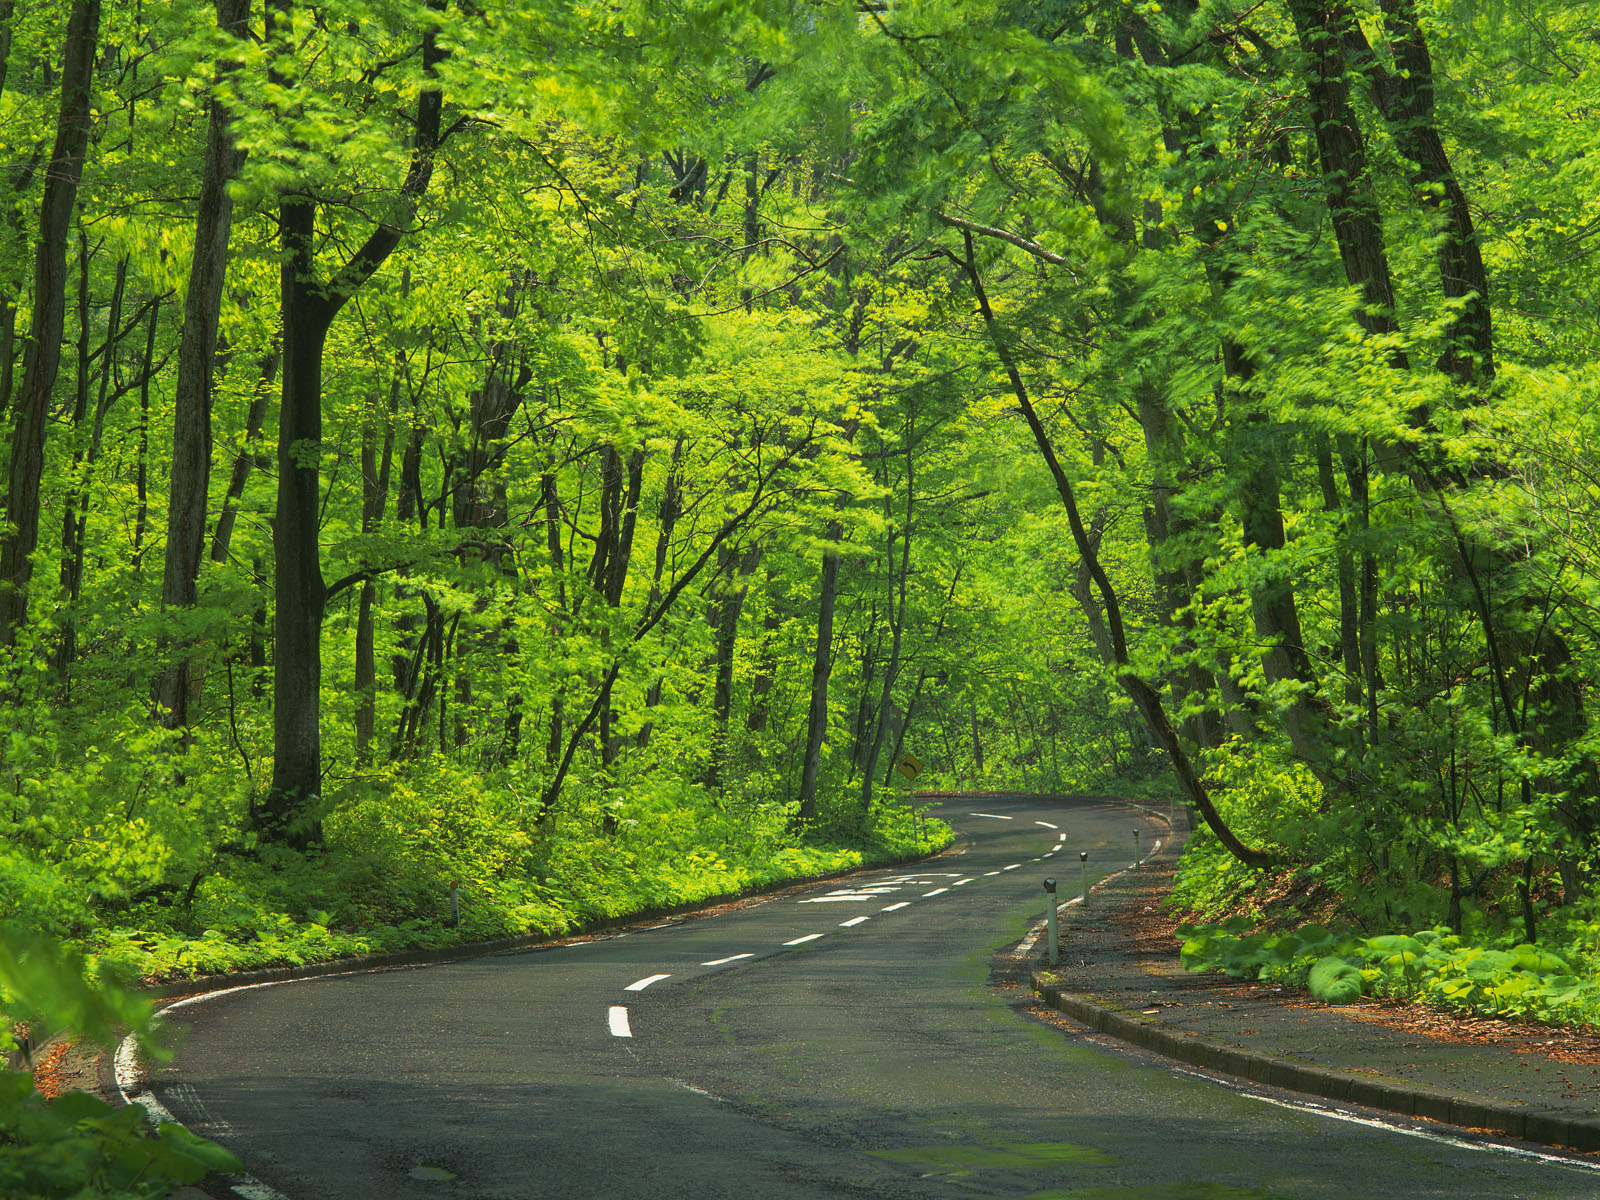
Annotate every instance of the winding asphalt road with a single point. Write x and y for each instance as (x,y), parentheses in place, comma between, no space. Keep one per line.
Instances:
(841,1041)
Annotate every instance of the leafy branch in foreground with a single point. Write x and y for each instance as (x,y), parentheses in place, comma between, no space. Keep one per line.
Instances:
(77,1145)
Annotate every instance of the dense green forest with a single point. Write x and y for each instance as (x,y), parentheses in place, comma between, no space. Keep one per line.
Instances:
(581,451)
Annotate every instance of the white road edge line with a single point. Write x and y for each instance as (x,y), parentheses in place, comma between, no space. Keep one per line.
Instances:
(639,985)
(619,1022)
(810,937)
(1377,1123)
(853,921)
(717,962)
(896,907)
(127,1075)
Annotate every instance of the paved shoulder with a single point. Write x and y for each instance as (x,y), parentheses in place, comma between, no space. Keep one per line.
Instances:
(1119,974)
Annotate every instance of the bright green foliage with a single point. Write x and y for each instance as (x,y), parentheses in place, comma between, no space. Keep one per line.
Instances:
(1334,981)
(1521,982)
(78,1145)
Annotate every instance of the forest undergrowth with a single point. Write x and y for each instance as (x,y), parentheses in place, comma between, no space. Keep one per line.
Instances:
(1341,928)
(150,902)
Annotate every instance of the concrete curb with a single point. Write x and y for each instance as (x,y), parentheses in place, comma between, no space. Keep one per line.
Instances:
(1544,1126)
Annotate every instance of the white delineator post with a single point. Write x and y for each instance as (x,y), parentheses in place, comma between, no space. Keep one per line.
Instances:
(1053,953)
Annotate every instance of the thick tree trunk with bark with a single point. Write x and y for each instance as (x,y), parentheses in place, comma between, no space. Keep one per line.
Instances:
(42,354)
(300,592)
(309,306)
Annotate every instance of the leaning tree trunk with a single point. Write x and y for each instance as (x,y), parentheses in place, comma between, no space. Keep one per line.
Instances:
(1145,697)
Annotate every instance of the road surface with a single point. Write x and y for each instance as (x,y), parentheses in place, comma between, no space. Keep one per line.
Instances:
(841,1041)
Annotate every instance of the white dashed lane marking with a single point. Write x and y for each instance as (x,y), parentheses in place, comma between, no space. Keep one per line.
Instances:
(1047,825)
(810,937)
(991,816)
(960,882)
(1012,867)
(853,921)
(619,1022)
(896,907)
(936,892)
(639,985)
(717,962)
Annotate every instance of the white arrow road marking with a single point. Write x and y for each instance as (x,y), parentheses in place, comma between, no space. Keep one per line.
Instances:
(853,921)
(884,887)
(619,1022)
(717,962)
(992,816)
(639,985)
(902,904)
(810,937)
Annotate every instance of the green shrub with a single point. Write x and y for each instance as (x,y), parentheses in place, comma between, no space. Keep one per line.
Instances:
(1522,982)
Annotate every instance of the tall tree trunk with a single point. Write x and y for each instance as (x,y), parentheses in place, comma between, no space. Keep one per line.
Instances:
(821,669)
(67,643)
(75,522)
(755,720)
(375,468)
(309,307)
(609,570)
(726,607)
(300,593)
(197,348)
(42,354)
(891,672)
(552,526)
(1405,98)
(1349,604)
(141,483)
(667,521)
